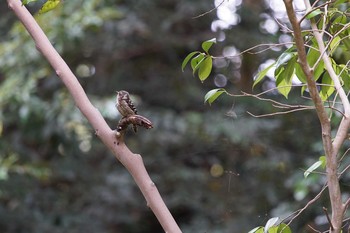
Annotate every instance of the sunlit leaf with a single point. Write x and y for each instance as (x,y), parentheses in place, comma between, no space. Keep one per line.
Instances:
(312,168)
(271,222)
(212,95)
(314,13)
(49,5)
(187,59)
(206,45)
(323,161)
(205,68)
(196,61)
(273,229)
(262,74)
(284,228)
(284,78)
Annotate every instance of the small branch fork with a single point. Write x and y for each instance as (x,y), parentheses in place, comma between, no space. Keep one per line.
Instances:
(132,162)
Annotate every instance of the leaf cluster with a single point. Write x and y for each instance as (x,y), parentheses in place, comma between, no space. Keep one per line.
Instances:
(271,226)
(201,62)
(287,69)
(335,25)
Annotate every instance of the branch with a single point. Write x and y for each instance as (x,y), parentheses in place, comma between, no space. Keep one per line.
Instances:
(342,133)
(311,83)
(331,148)
(279,113)
(328,218)
(345,124)
(132,162)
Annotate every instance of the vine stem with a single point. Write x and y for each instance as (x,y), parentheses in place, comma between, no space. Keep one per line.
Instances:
(133,162)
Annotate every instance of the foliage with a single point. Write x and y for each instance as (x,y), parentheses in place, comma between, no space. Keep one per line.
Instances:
(337,43)
(286,67)
(272,227)
(201,62)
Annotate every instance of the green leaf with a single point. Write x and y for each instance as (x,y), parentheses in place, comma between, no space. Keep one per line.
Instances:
(312,56)
(314,13)
(319,70)
(205,68)
(206,45)
(212,95)
(271,222)
(334,44)
(323,160)
(273,229)
(262,74)
(187,59)
(300,73)
(327,88)
(49,5)
(196,61)
(284,78)
(312,168)
(284,228)
(279,70)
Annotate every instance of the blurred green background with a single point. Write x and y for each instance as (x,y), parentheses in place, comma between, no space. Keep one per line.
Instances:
(55,174)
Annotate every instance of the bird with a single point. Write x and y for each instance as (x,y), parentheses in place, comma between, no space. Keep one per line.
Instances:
(124,104)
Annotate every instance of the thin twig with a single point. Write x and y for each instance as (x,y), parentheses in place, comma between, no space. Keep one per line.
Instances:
(314,229)
(298,212)
(256,46)
(277,113)
(208,12)
(313,9)
(328,218)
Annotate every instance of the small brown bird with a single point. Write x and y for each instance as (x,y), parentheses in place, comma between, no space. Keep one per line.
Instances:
(124,104)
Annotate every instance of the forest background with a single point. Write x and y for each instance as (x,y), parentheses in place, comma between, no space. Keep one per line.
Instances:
(56,176)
